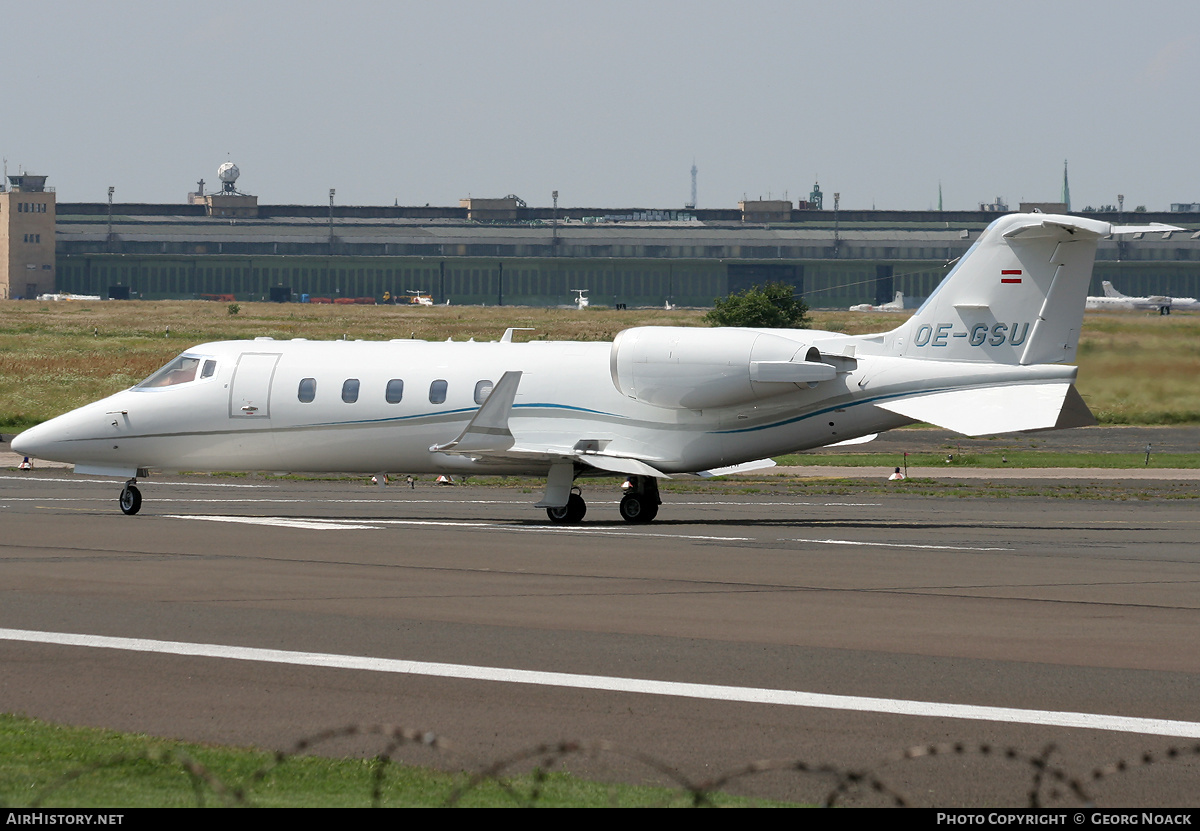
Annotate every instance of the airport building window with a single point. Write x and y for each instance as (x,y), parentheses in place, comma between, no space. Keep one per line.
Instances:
(437,392)
(395,391)
(350,390)
(307,391)
(482,390)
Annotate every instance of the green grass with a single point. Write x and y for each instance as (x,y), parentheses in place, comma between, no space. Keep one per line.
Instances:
(50,766)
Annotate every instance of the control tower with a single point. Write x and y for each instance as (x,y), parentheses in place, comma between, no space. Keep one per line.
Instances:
(27,213)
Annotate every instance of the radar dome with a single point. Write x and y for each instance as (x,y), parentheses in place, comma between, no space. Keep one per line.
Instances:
(228,173)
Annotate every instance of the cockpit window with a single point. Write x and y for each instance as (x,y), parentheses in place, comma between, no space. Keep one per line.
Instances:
(210,367)
(180,371)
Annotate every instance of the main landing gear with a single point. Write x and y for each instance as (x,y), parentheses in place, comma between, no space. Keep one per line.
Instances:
(641,500)
(131,498)
(572,512)
(638,506)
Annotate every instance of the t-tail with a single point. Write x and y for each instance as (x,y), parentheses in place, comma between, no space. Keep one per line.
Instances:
(1016,297)
(1002,328)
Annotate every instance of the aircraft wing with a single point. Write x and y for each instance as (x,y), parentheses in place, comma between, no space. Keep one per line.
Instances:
(742,468)
(487,438)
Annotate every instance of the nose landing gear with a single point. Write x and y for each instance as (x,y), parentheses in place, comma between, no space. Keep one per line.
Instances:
(131,498)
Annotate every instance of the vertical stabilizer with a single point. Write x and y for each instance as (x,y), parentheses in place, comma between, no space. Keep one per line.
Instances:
(1016,297)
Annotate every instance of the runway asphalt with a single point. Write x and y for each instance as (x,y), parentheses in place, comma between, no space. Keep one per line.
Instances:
(831,631)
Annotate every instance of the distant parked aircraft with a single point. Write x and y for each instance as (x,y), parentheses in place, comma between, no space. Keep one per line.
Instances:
(1113,300)
(897,305)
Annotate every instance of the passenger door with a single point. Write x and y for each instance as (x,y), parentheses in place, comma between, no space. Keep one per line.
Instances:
(250,390)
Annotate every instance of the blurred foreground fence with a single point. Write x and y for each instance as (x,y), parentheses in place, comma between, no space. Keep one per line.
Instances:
(519,779)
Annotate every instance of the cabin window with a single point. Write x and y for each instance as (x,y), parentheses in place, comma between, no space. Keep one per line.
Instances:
(350,390)
(210,367)
(307,391)
(437,392)
(482,390)
(179,371)
(395,391)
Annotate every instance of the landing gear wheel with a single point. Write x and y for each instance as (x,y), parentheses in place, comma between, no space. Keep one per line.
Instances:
(638,509)
(131,500)
(641,500)
(569,514)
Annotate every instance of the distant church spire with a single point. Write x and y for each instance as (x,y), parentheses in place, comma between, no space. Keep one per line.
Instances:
(1066,191)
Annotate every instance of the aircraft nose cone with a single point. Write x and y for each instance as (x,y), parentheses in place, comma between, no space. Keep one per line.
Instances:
(45,441)
(30,442)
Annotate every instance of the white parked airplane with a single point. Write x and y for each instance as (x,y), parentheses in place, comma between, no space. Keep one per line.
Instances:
(896,305)
(987,353)
(1160,303)
(581,298)
(1108,304)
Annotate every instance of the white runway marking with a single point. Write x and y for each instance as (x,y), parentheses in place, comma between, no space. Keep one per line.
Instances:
(711,692)
(742,503)
(896,545)
(608,532)
(285,522)
(378,525)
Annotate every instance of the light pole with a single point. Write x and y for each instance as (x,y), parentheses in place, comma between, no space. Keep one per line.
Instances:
(554,226)
(332,191)
(837,243)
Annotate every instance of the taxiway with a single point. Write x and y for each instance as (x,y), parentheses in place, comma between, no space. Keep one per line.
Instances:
(831,610)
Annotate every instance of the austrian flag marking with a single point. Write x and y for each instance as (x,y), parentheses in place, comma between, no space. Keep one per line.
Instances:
(1010,275)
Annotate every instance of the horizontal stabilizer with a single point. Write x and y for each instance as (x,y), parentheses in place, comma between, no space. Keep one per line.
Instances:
(488,428)
(1148,228)
(985,412)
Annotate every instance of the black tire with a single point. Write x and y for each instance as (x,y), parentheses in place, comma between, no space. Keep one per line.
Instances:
(569,514)
(131,500)
(637,509)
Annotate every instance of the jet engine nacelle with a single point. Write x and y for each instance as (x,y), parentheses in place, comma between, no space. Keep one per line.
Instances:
(696,369)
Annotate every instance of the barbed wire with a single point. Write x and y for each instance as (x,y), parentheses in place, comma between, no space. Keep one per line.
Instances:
(1049,782)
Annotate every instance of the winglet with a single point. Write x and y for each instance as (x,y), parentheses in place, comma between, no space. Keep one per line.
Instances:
(488,428)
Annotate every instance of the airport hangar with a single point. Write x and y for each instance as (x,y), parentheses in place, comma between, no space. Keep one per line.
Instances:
(503,252)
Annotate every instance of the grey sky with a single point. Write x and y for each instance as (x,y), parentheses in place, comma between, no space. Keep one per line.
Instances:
(607,102)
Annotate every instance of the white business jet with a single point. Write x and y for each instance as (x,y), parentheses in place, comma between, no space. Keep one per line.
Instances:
(987,353)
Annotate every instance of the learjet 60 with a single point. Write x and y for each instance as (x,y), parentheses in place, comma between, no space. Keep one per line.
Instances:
(989,351)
